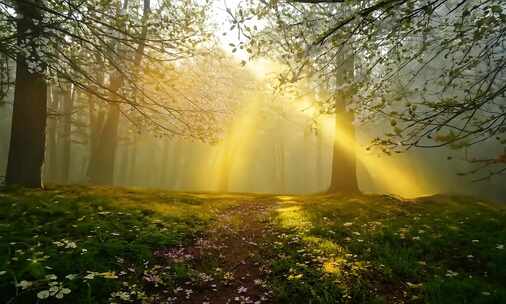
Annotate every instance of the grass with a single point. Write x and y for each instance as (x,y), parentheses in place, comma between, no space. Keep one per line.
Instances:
(384,250)
(110,245)
(84,244)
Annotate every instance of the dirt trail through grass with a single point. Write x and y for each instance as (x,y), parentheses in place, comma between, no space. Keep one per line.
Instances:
(232,246)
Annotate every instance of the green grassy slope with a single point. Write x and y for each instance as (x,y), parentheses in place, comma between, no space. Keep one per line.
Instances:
(105,245)
(375,249)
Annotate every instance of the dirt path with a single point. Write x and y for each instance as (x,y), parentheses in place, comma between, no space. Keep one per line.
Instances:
(231,252)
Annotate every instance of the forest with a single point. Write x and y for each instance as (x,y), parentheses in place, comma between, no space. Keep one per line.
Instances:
(252,151)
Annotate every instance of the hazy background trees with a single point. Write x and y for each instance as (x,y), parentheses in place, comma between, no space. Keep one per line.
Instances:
(140,93)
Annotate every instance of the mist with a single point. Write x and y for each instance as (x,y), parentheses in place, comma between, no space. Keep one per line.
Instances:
(275,143)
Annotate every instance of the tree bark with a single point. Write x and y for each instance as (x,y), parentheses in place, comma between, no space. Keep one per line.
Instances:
(102,172)
(27,143)
(344,172)
(51,163)
(164,162)
(105,153)
(68,108)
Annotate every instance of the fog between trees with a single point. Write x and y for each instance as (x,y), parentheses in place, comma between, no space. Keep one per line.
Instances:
(141,101)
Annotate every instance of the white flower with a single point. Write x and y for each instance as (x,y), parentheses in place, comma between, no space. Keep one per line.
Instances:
(485,293)
(62,292)
(44,294)
(90,276)
(51,277)
(242,289)
(500,246)
(3,272)
(475,241)
(71,276)
(24,284)
(347,224)
(71,245)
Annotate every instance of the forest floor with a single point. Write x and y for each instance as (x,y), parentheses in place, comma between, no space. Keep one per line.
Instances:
(111,245)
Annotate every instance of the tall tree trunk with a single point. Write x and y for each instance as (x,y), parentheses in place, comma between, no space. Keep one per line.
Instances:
(279,160)
(27,143)
(105,157)
(132,174)
(226,164)
(51,163)
(164,162)
(344,172)
(319,159)
(178,158)
(105,153)
(68,108)
(125,162)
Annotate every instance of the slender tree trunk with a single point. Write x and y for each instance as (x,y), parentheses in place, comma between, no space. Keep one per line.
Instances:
(226,164)
(279,156)
(164,162)
(27,143)
(319,159)
(68,108)
(105,153)
(344,172)
(125,162)
(132,174)
(51,163)
(177,160)
(105,156)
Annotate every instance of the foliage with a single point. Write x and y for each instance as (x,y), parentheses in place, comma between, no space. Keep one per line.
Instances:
(433,70)
(96,245)
(106,245)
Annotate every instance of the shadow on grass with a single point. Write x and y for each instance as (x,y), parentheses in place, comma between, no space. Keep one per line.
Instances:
(378,249)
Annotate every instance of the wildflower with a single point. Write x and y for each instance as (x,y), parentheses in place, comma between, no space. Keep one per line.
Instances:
(451,274)
(90,276)
(62,292)
(71,276)
(242,289)
(24,284)
(500,246)
(348,224)
(44,294)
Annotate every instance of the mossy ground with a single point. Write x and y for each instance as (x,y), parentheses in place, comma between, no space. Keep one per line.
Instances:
(105,245)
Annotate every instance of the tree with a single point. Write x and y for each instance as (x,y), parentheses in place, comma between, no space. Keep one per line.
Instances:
(26,152)
(61,40)
(433,70)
